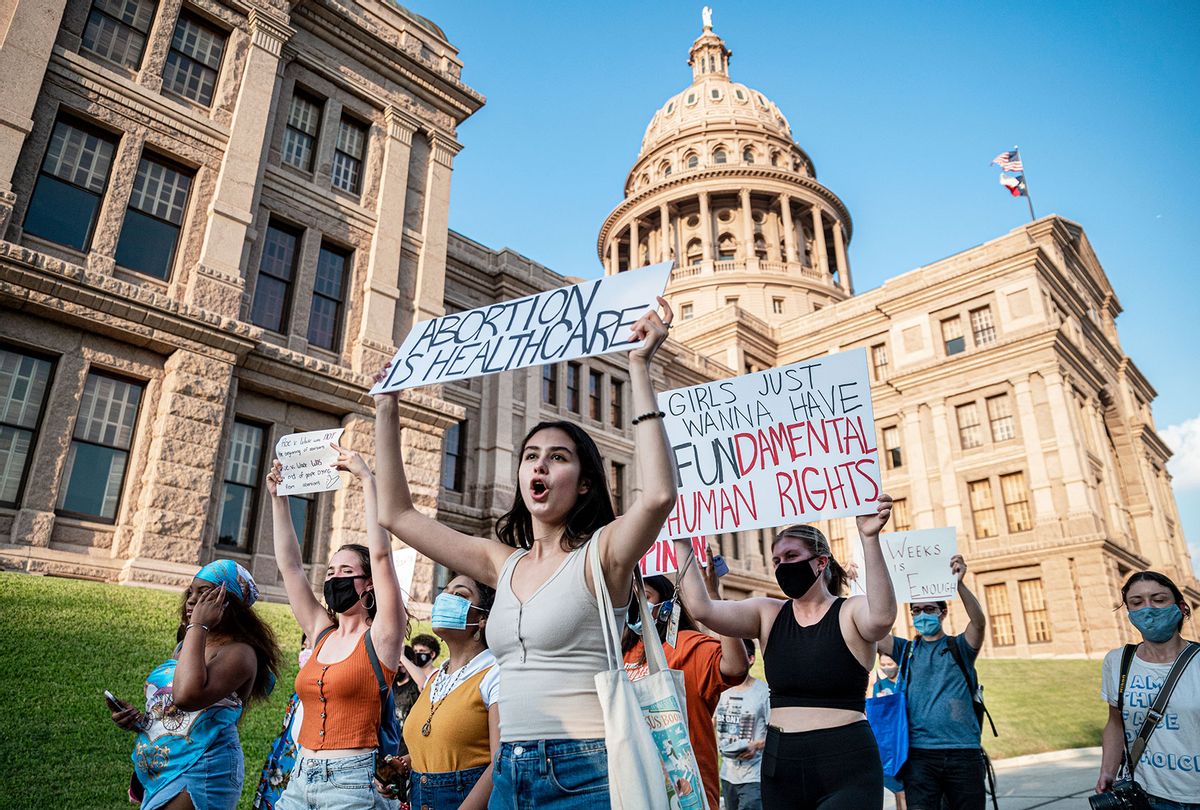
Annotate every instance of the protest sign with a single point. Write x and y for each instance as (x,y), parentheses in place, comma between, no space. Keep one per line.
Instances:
(662,559)
(918,562)
(788,445)
(306,460)
(563,324)
(405,562)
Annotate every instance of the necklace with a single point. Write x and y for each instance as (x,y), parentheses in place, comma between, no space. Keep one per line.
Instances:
(438,693)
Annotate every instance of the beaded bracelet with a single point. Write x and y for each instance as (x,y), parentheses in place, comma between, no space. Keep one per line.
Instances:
(648,416)
(194,624)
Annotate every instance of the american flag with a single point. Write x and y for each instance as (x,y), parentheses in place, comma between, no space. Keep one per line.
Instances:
(1009,161)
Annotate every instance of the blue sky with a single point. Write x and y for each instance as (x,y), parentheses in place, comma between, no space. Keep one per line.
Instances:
(900,106)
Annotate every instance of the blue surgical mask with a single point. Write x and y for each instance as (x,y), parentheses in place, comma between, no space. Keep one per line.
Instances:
(636,627)
(1156,624)
(927,624)
(450,612)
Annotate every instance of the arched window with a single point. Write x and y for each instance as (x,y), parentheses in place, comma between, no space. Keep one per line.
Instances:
(695,252)
(760,247)
(726,247)
(645,181)
(664,168)
(774,158)
(693,161)
(719,156)
(748,155)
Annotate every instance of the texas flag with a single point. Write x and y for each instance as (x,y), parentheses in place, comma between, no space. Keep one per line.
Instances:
(1015,185)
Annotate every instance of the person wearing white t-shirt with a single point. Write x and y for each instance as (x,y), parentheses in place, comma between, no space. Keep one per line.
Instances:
(1169,769)
(741,719)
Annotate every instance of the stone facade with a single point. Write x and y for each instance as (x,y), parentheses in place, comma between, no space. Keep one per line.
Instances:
(309,147)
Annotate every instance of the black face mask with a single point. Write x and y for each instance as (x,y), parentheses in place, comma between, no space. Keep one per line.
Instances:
(796,578)
(421,659)
(340,593)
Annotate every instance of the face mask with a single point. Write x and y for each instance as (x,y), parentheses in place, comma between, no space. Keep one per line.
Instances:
(1156,624)
(636,627)
(796,578)
(927,624)
(422,659)
(340,593)
(450,612)
(303,657)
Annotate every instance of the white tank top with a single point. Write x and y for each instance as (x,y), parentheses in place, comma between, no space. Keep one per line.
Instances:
(549,650)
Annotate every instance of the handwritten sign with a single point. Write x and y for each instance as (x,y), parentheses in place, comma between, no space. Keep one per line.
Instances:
(662,559)
(564,324)
(306,459)
(788,445)
(405,562)
(919,562)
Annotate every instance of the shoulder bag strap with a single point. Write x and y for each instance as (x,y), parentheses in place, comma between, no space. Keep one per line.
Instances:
(1126,660)
(1160,704)
(608,625)
(906,664)
(656,657)
(374,659)
(972,684)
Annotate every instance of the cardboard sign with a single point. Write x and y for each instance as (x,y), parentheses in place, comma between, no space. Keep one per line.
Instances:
(571,322)
(405,562)
(789,445)
(306,459)
(918,562)
(662,559)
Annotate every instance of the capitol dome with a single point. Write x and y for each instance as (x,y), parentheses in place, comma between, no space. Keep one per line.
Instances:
(720,187)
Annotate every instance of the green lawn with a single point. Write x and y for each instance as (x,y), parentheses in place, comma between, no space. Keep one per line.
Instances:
(63,642)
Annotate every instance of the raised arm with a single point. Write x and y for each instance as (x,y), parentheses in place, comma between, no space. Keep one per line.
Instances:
(735,663)
(875,615)
(200,682)
(978,619)
(632,534)
(476,557)
(744,618)
(310,614)
(391,617)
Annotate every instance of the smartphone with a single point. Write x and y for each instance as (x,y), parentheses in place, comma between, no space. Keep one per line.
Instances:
(719,565)
(113,703)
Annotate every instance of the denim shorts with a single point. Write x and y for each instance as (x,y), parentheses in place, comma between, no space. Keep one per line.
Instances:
(442,791)
(551,775)
(334,784)
(214,782)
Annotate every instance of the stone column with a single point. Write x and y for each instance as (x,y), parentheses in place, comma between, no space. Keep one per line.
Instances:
(789,228)
(635,249)
(27,33)
(217,282)
(431,266)
(664,233)
(610,257)
(945,471)
(1068,445)
(495,439)
(1035,456)
(914,459)
(747,225)
(822,257)
(839,247)
(705,228)
(381,287)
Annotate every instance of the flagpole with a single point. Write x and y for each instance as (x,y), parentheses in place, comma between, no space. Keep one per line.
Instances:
(1025,177)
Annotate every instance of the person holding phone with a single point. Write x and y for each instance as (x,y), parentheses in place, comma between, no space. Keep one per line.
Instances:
(339,693)
(188,753)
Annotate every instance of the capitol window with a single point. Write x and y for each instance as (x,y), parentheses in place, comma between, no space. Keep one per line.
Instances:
(715,93)
(692,161)
(719,156)
(664,168)
(194,59)
(691,98)
(740,95)
(117,31)
(747,155)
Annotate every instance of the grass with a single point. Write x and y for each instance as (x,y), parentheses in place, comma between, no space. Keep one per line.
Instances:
(63,642)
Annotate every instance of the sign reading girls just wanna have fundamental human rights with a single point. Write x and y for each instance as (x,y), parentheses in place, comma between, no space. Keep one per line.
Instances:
(788,445)
(567,323)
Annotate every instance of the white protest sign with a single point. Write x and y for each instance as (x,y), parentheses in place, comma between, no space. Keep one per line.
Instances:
(792,444)
(662,559)
(563,324)
(306,460)
(918,562)
(405,562)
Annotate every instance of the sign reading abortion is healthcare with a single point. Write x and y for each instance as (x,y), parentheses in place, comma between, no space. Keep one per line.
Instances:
(788,445)
(563,324)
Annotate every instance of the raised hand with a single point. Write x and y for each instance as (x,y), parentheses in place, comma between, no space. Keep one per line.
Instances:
(379,377)
(209,607)
(275,478)
(350,462)
(958,566)
(872,525)
(652,328)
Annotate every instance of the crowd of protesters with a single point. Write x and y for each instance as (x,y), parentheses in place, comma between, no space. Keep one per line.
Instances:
(511,716)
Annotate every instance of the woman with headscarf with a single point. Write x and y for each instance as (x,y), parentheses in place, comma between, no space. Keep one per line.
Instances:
(188,754)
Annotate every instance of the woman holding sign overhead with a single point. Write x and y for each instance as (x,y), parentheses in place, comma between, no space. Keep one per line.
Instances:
(361,624)
(545,627)
(818,650)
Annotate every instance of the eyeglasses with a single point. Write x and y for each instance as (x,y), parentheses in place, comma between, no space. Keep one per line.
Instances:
(932,610)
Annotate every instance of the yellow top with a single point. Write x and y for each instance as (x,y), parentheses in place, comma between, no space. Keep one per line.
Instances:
(458,728)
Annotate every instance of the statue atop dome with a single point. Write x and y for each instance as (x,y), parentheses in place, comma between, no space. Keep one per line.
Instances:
(706,16)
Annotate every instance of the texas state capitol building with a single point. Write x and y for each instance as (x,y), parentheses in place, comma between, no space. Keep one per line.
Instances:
(220,218)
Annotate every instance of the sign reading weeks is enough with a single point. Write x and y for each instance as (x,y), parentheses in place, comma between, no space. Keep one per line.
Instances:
(563,324)
(919,562)
(789,445)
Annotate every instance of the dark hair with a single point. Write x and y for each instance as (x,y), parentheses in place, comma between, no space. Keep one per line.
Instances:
(749,647)
(1165,581)
(364,557)
(592,509)
(814,541)
(666,590)
(241,624)
(429,641)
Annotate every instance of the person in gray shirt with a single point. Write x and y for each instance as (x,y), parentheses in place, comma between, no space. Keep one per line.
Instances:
(741,720)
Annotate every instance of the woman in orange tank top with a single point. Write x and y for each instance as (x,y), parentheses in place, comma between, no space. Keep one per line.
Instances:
(337,686)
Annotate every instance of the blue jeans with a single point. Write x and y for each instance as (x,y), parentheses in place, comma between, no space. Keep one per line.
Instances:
(334,784)
(951,775)
(442,791)
(1170,804)
(551,775)
(741,797)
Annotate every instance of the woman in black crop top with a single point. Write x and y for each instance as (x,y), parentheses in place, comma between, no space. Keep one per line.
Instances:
(818,648)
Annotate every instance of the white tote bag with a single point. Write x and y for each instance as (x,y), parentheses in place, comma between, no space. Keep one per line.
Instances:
(651,765)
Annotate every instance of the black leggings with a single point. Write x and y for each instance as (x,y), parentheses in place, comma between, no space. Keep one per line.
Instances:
(828,769)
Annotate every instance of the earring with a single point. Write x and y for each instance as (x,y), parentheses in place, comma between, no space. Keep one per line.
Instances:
(364,600)
(476,636)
